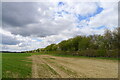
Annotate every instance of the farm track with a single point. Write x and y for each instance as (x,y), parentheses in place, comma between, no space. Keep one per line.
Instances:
(46,66)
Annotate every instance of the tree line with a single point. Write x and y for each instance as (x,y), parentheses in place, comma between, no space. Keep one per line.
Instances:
(106,45)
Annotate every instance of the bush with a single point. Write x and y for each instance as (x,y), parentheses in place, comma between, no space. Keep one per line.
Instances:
(101,52)
(112,53)
(89,53)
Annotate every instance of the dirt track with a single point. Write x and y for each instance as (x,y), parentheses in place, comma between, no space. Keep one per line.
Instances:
(46,66)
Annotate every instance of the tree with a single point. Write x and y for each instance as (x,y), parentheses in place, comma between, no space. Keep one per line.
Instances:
(84,43)
(50,47)
(116,39)
(108,39)
(75,42)
(62,45)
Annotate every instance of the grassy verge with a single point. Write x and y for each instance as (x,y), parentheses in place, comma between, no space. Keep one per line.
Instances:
(75,56)
(0,65)
(61,55)
(16,65)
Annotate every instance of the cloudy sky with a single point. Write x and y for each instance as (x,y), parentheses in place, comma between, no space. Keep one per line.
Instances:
(32,25)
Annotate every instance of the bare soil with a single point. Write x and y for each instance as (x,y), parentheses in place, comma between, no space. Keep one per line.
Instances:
(46,66)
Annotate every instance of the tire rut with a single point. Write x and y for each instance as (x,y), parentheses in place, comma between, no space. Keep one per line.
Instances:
(42,70)
(63,72)
(67,70)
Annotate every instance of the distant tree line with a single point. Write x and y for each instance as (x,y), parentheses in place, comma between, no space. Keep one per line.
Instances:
(106,45)
(10,52)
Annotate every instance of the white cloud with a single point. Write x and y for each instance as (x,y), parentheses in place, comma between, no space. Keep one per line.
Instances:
(54,24)
(84,8)
(108,17)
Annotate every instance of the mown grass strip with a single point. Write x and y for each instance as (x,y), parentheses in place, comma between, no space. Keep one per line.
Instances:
(75,56)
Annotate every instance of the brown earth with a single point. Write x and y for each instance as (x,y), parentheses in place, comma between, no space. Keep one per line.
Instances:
(46,66)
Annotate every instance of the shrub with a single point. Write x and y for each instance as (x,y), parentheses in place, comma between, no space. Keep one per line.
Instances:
(112,53)
(101,52)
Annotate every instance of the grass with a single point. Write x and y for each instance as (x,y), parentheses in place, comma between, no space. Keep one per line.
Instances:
(62,55)
(75,56)
(16,65)
(0,66)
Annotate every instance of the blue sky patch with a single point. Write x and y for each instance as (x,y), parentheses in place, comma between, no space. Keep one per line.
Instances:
(87,17)
(80,18)
(61,13)
(61,4)
(99,10)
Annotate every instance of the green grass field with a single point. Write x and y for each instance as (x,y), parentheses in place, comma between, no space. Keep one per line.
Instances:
(16,65)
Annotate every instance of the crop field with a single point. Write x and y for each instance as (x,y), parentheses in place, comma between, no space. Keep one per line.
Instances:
(16,65)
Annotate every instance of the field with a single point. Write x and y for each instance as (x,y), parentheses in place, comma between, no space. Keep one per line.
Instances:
(49,66)
(15,65)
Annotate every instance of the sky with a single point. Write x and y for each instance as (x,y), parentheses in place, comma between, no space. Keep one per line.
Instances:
(32,25)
